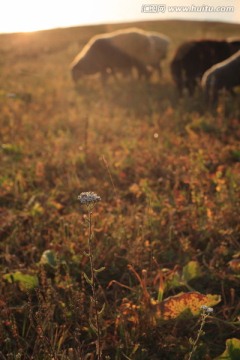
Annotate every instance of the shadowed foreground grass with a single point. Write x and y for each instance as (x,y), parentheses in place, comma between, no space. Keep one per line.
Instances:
(168,173)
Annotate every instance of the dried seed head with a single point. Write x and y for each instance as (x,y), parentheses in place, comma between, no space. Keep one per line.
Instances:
(206,309)
(87,198)
(209,310)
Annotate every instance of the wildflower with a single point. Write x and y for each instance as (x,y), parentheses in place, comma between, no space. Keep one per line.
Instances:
(209,310)
(206,309)
(87,198)
(204,315)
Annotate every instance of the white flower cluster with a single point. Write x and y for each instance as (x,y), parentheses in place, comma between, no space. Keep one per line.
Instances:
(207,309)
(88,198)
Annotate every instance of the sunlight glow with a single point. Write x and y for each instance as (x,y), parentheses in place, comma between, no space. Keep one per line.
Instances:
(28,15)
(31,15)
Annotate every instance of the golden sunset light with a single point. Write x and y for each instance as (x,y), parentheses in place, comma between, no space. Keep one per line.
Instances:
(119,179)
(27,15)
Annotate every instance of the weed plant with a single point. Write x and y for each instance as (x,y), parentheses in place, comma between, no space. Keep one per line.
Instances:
(89,199)
(166,230)
(206,311)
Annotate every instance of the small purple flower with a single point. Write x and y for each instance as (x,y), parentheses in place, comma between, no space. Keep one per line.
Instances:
(87,198)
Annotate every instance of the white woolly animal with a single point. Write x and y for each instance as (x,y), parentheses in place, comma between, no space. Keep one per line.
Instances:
(224,75)
(121,50)
(147,46)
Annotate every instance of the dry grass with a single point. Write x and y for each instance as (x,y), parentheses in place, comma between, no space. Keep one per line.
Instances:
(168,173)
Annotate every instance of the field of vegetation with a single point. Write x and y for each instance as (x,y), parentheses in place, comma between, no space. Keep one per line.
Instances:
(165,236)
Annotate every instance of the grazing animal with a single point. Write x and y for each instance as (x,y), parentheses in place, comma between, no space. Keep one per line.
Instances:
(147,46)
(234,44)
(224,75)
(193,58)
(121,51)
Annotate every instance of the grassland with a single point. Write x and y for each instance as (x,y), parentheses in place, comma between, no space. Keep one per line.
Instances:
(168,173)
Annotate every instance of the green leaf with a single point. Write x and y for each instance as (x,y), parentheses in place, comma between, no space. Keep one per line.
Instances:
(160,295)
(191,341)
(191,271)
(173,282)
(93,327)
(26,282)
(48,258)
(12,149)
(232,351)
(89,281)
(36,210)
(100,269)
(102,310)
(235,154)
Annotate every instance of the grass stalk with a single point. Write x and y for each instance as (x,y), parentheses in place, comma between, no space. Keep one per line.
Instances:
(93,286)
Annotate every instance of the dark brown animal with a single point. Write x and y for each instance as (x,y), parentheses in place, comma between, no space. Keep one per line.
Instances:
(234,45)
(193,58)
(224,75)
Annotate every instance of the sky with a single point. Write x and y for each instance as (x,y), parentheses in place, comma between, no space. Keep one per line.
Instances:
(31,15)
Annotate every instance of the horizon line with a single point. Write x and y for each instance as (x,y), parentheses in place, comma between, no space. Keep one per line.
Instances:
(90,24)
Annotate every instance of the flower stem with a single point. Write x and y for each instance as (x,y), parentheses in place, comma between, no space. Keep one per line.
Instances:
(200,331)
(93,286)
